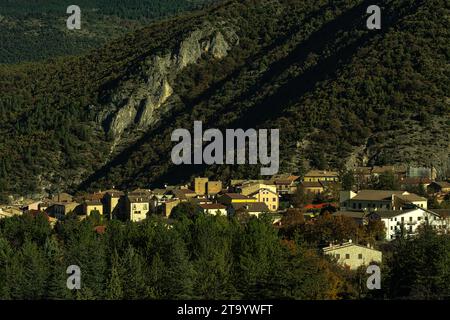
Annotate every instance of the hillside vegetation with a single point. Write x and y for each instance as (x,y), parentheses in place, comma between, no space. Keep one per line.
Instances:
(335,89)
(32,30)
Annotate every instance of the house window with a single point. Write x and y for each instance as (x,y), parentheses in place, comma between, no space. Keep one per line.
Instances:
(403,219)
(134,207)
(360,256)
(347,256)
(338,256)
(391,228)
(359,205)
(274,199)
(274,207)
(410,219)
(354,205)
(419,218)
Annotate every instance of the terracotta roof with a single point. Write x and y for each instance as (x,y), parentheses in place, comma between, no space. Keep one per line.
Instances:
(319,206)
(100,229)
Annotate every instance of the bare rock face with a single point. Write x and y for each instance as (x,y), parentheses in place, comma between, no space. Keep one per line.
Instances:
(140,99)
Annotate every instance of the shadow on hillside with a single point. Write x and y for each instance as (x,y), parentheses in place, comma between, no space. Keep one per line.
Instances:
(326,68)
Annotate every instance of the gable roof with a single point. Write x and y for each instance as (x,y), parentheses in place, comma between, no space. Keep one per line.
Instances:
(376,195)
(411,197)
(251,206)
(390,213)
(321,173)
(212,206)
(346,245)
(236,196)
(258,191)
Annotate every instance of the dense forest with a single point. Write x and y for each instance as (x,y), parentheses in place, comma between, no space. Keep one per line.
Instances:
(32,30)
(208,257)
(310,68)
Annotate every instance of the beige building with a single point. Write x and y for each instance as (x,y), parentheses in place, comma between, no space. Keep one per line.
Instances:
(213,187)
(286,186)
(321,175)
(90,207)
(137,207)
(200,185)
(352,255)
(313,187)
(267,196)
(61,209)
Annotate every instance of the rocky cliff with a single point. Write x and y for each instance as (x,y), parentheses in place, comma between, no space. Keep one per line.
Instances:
(139,101)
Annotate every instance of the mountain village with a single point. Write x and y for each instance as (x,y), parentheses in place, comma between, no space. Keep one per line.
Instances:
(320,192)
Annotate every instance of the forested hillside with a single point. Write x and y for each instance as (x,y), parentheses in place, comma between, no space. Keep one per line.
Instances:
(339,93)
(206,257)
(32,30)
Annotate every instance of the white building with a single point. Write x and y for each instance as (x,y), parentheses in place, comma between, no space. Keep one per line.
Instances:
(213,209)
(410,219)
(353,255)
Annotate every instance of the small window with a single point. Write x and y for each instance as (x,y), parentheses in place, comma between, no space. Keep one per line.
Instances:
(419,218)
(347,256)
(410,219)
(274,199)
(360,256)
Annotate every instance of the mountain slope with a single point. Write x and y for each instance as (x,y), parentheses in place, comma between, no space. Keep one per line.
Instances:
(33,30)
(339,93)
